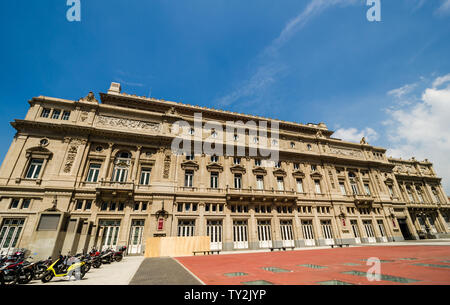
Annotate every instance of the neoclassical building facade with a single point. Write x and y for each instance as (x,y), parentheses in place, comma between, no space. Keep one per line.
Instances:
(83,174)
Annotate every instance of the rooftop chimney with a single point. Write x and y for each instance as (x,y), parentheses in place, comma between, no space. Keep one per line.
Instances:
(115,88)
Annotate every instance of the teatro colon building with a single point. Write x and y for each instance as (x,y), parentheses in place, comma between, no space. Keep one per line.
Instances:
(82,173)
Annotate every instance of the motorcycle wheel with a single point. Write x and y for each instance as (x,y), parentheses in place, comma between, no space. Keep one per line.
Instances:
(47,277)
(27,279)
(97,264)
(118,258)
(40,270)
(87,267)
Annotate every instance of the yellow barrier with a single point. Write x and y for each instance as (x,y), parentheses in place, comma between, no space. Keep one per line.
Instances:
(176,246)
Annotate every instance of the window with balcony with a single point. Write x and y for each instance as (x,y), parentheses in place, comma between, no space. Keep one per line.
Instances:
(317,187)
(419,194)
(121,166)
(342,187)
(34,168)
(237,181)
(214,180)
(435,195)
(367,189)
(299,185)
(391,190)
(410,195)
(145,176)
(280,183)
(93,173)
(259,182)
(188,178)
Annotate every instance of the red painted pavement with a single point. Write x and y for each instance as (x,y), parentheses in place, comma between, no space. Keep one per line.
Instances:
(211,269)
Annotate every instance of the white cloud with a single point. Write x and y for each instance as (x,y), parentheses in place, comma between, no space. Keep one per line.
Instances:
(445,7)
(441,80)
(269,67)
(422,129)
(402,91)
(355,135)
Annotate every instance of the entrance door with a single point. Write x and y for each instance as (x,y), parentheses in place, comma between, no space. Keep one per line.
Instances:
(432,225)
(286,233)
(327,232)
(214,231)
(404,228)
(9,235)
(110,233)
(355,229)
(382,230)
(264,234)
(308,232)
(240,234)
(369,231)
(135,240)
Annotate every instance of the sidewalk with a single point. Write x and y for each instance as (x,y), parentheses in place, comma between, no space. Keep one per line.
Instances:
(119,273)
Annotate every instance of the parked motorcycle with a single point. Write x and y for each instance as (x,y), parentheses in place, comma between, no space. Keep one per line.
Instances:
(65,266)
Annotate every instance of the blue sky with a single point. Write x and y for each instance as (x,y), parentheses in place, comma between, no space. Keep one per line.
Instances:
(296,60)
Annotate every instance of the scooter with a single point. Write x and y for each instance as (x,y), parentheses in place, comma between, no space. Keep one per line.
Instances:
(65,266)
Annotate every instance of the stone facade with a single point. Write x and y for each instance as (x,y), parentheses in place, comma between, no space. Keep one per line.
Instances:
(80,174)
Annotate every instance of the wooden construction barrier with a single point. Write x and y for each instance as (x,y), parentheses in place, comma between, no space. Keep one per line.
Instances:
(176,246)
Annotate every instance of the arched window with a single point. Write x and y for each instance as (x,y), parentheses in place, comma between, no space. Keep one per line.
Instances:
(122,164)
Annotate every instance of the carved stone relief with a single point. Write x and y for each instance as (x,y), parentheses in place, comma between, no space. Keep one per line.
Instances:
(127,123)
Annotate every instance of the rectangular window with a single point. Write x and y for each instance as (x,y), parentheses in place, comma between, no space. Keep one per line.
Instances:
(296,166)
(121,206)
(214,180)
(112,207)
(94,170)
(214,159)
(136,206)
(26,203)
(66,115)
(14,203)
(104,206)
(257,162)
(317,185)
(144,206)
(342,187)
(367,188)
(313,168)
(190,157)
(88,205)
(260,182)
(145,176)
(186,227)
(237,161)
(299,185)
(79,205)
(34,168)
(280,183)
(237,181)
(278,164)
(45,113)
(391,190)
(56,113)
(188,178)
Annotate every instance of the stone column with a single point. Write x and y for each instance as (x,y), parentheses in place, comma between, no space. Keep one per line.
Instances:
(136,165)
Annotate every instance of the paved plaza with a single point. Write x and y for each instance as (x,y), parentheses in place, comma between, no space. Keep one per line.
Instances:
(402,263)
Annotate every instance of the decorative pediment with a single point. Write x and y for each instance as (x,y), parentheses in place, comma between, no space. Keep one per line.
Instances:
(38,151)
(298,174)
(316,175)
(389,181)
(189,165)
(259,171)
(214,167)
(279,172)
(238,169)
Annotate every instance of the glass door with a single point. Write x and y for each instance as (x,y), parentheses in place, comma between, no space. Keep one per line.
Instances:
(308,233)
(286,233)
(135,240)
(214,231)
(355,229)
(240,234)
(264,234)
(110,233)
(369,231)
(9,235)
(327,232)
